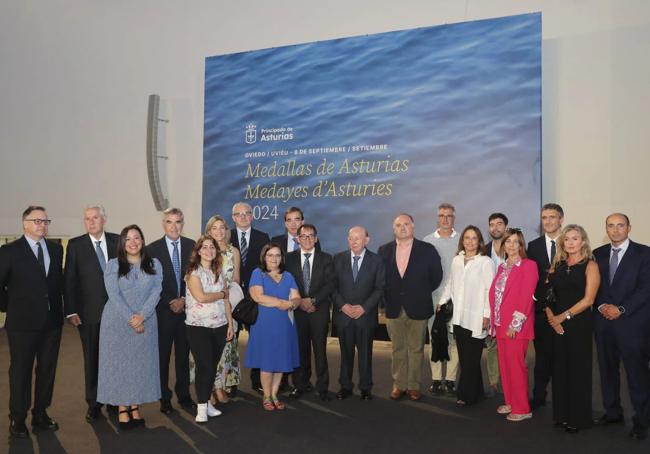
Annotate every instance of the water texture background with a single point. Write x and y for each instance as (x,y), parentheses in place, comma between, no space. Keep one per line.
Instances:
(460,102)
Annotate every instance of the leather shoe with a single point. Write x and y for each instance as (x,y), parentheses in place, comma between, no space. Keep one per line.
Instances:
(296,393)
(94,411)
(571,429)
(366,395)
(396,394)
(639,432)
(43,422)
(18,429)
(604,420)
(414,394)
(187,404)
(343,393)
(166,406)
(324,396)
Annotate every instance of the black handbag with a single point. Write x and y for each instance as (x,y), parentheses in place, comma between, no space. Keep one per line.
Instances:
(550,298)
(446,310)
(246,311)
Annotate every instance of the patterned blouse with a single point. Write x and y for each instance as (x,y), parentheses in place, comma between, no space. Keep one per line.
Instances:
(499,288)
(209,315)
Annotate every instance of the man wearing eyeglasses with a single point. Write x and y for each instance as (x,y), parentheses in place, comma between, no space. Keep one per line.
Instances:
(445,239)
(314,273)
(250,242)
(31,288)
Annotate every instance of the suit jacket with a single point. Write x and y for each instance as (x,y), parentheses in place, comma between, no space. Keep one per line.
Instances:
(282,241)
(85,294)
(367,291)
(258,240)
(31,300)
(517,296)
(413,291)
(630,288)
(322,279)
(537,252)
(158,249)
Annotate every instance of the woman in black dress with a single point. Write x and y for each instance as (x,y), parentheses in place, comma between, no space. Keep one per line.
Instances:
(574,278)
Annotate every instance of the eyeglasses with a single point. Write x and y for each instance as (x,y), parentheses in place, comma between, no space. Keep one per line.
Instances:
(310,236)
(40,221)
(242,214)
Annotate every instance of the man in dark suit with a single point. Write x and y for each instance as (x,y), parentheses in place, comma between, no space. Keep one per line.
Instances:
(293,219)
(622,324)
(542,250)
(250,242)
(173,251)
(497,225)
(31,289)
(85,293)
(413,272)
(313,273)
(360,277)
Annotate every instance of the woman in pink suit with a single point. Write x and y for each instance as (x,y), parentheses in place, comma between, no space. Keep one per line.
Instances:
(512,323)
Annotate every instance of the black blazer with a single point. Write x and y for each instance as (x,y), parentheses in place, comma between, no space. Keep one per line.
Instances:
(258,240)
(282,241)
(537,252)
(413,291)
(25,292)
(158,249)
(85,293)
(367,291)
(630,288)
(322,279)
(488,249)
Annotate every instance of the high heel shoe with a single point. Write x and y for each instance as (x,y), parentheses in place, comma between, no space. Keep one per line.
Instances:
(125,425)
(137,422)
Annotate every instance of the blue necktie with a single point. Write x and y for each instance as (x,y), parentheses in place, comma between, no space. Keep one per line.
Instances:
(296,244)
(100,255)
(355,267)
(243,248)
(306,272)
(613,264)
(176,263)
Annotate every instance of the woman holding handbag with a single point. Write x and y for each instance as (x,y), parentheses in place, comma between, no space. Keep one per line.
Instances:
(273,343)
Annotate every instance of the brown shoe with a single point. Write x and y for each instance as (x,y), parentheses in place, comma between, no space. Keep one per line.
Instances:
(396,394)
(414,394)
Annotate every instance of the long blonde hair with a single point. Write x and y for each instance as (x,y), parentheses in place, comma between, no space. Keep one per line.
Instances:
(561,254)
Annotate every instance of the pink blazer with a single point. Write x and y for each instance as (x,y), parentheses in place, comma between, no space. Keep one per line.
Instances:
(517,296)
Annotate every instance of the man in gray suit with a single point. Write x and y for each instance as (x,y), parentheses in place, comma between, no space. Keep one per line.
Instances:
(359,286)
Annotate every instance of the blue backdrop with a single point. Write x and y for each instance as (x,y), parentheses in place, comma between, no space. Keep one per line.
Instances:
(356,130)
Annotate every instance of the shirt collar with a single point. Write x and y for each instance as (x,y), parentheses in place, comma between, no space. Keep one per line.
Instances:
(363,253)
(32,242)
(623,246)
(549,239)
(436,234)
(101,238)
(170,242)
(240,231)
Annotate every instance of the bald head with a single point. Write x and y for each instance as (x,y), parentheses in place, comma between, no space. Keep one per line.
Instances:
(404,227)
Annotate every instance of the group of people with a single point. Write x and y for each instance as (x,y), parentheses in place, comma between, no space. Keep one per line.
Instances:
(132,303)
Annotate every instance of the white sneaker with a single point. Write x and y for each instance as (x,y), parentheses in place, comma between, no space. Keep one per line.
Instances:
(201,413)
(212,411)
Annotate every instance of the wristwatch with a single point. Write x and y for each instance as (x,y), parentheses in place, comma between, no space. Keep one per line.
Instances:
(568,315)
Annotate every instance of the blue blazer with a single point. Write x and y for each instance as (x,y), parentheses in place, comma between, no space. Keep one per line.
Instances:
(630,287)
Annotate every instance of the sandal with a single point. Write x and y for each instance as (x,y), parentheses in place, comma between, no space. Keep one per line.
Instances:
(124,425)
(267,403)
(137,422)
(279,405)
(516,417)
(504,409)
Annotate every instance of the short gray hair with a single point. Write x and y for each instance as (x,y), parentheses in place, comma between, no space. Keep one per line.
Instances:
(241,203)
(446,206)
(99,208)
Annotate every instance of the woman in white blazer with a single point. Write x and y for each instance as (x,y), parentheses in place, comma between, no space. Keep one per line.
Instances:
(471,275)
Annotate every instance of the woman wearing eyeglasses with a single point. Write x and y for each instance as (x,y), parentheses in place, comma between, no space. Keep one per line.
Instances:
(512,323)
(273,343)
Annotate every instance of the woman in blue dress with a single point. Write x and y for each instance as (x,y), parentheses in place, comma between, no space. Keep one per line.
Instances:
(273,343)
(128,338)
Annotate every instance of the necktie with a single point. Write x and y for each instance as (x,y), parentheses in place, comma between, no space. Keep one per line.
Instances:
(176,263)
(243,248)
(296,244)
(553,250)
(613,264)
(355,267)
(41,257)
(100,255)
(306,272)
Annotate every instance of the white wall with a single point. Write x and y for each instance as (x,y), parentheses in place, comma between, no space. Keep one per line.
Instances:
(75,76)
